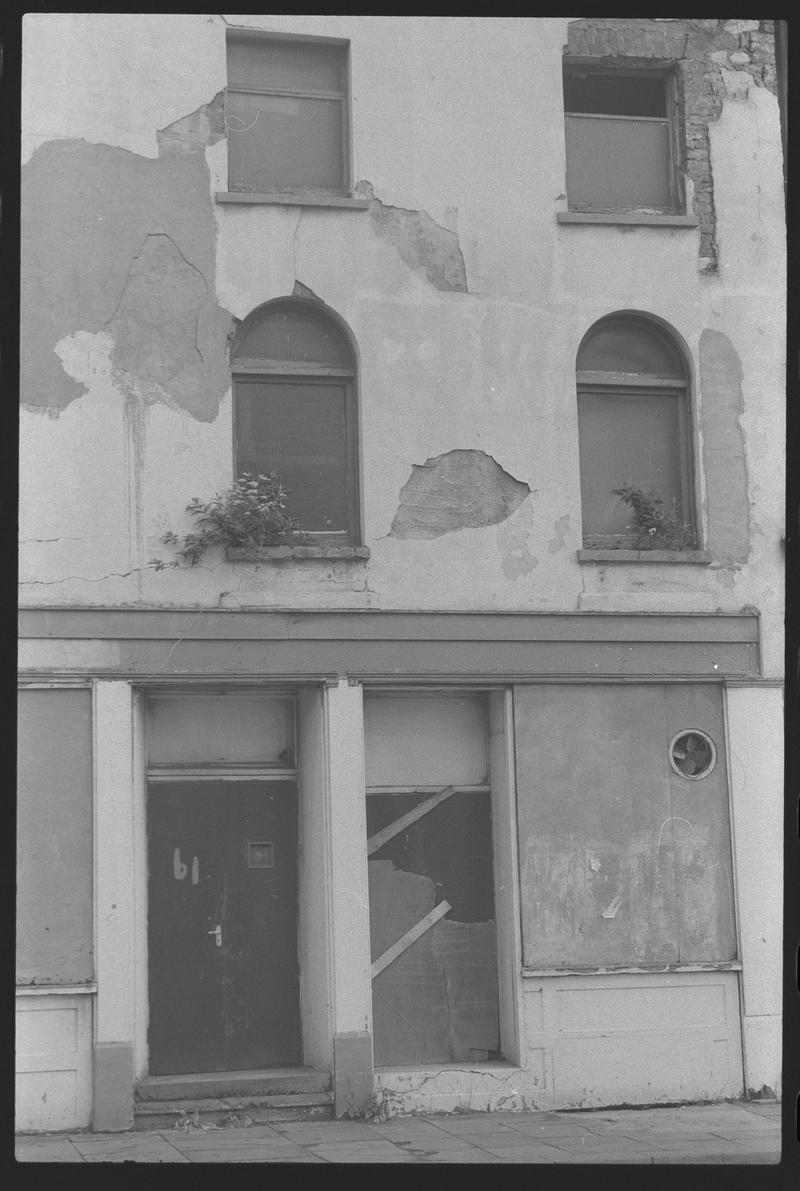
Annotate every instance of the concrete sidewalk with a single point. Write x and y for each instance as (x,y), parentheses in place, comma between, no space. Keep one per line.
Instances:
(718,1133)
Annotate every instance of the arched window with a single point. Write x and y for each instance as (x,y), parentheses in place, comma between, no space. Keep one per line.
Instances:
(634,433)
(295,412)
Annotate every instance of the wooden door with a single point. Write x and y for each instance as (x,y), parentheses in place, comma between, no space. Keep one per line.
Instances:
(223,970)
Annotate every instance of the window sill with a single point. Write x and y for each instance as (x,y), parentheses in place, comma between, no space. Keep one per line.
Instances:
(694,557)
(628,218)
(263,198)
(723,965)
(325,553)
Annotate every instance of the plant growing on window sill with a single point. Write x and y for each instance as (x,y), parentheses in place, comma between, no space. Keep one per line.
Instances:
(653,527)
(250,515)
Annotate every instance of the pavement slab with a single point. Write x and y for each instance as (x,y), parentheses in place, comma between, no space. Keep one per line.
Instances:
(470,1157)
(252,1154)
(306,1132)
(210,1142)
(721,1134)
(48,1149)
(127,1149)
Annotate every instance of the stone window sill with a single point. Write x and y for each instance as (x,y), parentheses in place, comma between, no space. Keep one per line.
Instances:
(291,200)
(679,557)
(628,218)
(325,553)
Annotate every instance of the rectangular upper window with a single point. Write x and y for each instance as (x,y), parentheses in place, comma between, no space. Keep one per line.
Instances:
(620,140)
(287,115)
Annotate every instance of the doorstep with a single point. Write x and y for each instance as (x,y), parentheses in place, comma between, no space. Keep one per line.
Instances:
(244,1097)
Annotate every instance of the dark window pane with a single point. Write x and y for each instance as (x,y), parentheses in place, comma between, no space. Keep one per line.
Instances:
(627,439)
(291,336)
(299,431)
(284,142)
(629,347)
(282,65)
(614,94)
(617,164)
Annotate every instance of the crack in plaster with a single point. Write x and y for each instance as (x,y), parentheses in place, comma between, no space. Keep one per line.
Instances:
(78,578)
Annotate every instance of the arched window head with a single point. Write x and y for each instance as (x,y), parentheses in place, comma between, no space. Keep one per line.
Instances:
(634,436)
(294,378)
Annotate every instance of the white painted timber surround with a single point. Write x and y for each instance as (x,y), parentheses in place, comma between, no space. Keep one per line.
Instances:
(755,751)
(54,1059)
(114,892)
(352,992)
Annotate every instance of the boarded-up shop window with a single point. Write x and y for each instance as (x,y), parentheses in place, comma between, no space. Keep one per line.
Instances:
(54,837)
(287,114)
(634,430)
(295,414)
(620,140)
(431,882)
(623,860)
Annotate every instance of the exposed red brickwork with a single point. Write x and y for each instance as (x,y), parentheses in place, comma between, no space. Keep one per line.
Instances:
(701,50)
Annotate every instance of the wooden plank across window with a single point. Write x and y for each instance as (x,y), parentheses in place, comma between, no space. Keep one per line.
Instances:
(411,936)
(376,842)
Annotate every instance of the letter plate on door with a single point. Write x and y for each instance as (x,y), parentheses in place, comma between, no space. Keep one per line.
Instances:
(261,854)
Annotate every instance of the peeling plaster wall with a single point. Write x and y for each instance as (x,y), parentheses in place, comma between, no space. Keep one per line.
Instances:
(467,302)
(459,490)
(466,299)
(713,59)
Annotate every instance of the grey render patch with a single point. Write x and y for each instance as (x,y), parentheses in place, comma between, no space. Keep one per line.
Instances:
(155,325)
(724,449)
(139,252)
(462,489)
(191,133)
(423,244)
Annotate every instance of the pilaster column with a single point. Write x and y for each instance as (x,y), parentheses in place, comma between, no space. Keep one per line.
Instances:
(352,982)
(755,744)
(113,906)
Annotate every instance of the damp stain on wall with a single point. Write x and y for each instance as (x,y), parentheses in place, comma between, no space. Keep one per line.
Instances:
(462,489)
(724,463)
(136,237)
(561,529)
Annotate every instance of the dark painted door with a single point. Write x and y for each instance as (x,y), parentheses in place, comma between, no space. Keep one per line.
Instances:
(222,928)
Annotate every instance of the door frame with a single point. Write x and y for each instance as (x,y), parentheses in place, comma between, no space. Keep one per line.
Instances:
(133,853)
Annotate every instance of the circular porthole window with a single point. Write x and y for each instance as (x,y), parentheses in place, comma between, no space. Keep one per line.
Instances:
(692,754)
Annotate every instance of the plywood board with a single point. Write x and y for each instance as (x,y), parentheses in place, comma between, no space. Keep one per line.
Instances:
(700,834)
(54,826)
(602,883)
